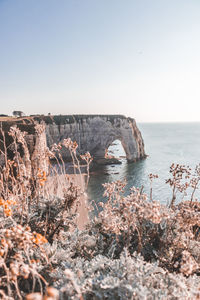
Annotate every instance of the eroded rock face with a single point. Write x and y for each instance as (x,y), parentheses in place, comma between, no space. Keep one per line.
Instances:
(93,133)
(96,134)
(32,150)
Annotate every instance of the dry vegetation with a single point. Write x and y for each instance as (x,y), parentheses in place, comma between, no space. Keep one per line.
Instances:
(134,249)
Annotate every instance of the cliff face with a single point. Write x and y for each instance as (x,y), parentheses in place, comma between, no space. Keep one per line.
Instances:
(32,150)
(93,133)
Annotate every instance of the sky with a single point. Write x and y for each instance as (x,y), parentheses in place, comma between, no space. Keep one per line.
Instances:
(139,58)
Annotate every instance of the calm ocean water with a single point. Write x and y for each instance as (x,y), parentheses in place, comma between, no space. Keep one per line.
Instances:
(165,143)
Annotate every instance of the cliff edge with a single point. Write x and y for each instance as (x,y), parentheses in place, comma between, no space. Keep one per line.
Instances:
(93,133)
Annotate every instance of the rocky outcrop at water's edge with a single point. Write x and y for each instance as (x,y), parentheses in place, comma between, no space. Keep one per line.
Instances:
(93,133)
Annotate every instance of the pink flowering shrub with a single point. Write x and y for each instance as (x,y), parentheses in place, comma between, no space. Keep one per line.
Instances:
(135,248)
(38,202)
(167,234)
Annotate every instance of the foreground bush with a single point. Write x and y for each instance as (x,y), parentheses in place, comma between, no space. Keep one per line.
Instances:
(128,277)
(38,202)
(134,248)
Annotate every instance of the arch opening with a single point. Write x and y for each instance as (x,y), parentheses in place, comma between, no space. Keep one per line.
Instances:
(115,150)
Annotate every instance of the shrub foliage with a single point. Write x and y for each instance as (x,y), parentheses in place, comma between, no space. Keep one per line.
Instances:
(134,248)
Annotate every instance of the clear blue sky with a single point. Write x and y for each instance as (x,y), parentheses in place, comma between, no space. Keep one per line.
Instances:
(138,58)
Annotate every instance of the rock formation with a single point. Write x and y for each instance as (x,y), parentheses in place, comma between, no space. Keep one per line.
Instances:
(93,133)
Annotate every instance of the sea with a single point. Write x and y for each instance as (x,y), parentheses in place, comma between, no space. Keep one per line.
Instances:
(165,143)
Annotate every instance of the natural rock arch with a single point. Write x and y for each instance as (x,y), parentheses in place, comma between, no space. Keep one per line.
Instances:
(95,133)
(115,150)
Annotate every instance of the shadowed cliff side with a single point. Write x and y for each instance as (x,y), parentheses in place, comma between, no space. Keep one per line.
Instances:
(93,133)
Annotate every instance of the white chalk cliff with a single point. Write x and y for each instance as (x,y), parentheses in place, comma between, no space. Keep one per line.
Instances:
(93,133)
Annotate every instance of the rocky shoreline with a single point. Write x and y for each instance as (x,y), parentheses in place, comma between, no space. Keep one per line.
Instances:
(93,133)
